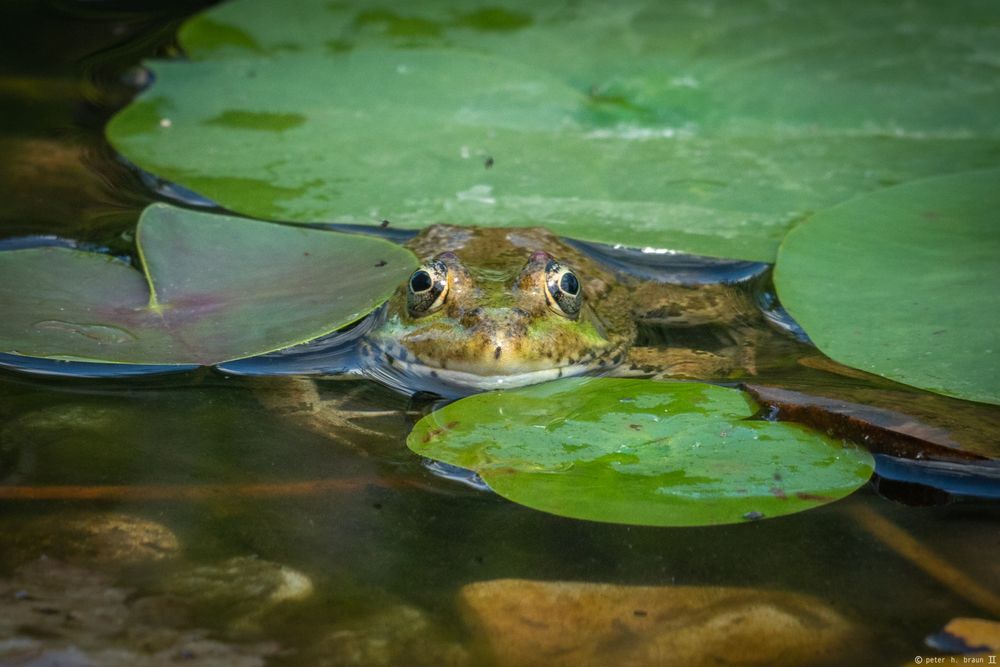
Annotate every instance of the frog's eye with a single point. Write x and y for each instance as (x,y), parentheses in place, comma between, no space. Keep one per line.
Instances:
(562,290)
(427,288)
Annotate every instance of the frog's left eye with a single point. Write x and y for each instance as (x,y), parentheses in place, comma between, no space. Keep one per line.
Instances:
(427,288)
(562,290)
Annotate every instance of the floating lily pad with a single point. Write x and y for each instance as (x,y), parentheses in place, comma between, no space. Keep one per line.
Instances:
(640,452)
(903,283)
(704,129)
(215,288)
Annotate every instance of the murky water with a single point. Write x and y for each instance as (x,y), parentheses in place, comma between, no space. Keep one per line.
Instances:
(174,518)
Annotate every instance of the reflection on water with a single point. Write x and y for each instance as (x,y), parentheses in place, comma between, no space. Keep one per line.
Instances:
(194,517)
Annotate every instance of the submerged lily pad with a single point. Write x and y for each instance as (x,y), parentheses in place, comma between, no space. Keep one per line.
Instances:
(640,452)
(903,283)
(707,129)
(215,288)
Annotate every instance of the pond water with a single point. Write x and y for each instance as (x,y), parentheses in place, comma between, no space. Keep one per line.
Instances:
(159,519)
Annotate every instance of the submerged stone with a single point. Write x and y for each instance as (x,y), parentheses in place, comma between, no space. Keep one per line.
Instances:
(52,613)
(91,538)
(245,589)
(400,634)
(521,622)
(967,636)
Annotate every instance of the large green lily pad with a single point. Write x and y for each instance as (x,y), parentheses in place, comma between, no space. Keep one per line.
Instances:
(215,288)
(640,452)
(903,283)
(708,129)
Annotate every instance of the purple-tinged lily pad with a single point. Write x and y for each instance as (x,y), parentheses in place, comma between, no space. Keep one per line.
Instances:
(213,288)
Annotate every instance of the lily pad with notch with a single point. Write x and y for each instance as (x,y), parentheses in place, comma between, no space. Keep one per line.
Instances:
(212,288)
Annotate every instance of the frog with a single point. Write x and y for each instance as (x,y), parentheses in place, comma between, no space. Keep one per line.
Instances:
(493,308)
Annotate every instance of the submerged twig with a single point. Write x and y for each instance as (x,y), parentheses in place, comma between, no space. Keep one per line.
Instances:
(193,492)
(907,546)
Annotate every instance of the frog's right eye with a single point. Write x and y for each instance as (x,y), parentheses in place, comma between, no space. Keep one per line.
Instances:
(427,288)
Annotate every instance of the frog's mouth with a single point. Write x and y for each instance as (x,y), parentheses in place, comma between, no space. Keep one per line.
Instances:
(391,364)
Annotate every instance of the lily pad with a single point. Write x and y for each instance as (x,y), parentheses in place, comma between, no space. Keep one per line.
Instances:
(903,283)
(640,452)
(728,122)
(214,288)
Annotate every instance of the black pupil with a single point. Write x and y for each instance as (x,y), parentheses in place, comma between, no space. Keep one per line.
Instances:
(569,284)
(420,281)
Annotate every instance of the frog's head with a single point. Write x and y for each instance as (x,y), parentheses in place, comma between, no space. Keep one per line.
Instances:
(479,317)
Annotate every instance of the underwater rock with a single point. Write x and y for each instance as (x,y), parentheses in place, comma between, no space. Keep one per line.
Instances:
(398,635)
(52,613)
(525,623)
(244,588)
(968,636)
(90,538)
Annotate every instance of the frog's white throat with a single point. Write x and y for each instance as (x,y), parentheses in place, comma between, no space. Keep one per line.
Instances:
(391,365)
